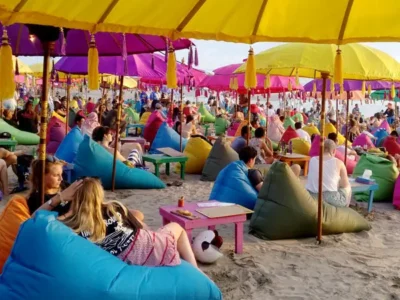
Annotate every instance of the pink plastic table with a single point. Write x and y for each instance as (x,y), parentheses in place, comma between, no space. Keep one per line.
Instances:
(189,225)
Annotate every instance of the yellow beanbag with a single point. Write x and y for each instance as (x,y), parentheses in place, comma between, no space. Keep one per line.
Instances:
(73,104)
(239,130)
(144,117)
(311,129)
(197,151)
(329,128)
(14,214)
(300,146)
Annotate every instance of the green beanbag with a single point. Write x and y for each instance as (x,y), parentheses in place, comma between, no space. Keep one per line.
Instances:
(288,122)
(286,210)
(220,156)
(298,117)
(208,117)
(22,137)
(132,115)
(221,125)
(384,172)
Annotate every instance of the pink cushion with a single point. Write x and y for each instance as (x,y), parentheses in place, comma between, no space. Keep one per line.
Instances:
(289,134)
(233,128)
(391,145)
(396,194)
(386,126)
(314,151)
(363,140)
(152,125)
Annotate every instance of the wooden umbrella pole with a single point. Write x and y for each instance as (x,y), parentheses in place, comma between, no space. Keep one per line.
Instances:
(182,120)
(237,103)
(266,115)
(119,111)
(347,127)
(337,116)
(248,116)
(67,108)
(321,154)
(48,47)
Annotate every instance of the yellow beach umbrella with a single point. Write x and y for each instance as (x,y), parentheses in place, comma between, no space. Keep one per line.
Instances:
(360,62)
(314,61)
(22,67)
(316,21)
(129,82)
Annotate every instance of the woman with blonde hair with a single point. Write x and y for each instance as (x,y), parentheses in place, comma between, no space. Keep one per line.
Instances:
(117,230)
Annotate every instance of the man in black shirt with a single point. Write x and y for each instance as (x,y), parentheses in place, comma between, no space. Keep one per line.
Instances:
(248,156)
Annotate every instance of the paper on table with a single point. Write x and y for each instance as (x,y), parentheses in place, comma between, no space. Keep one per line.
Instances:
(214,204)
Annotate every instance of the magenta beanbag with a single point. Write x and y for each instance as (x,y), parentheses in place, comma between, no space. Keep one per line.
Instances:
(152,125)
(363,140)
(391,145)
(289,134)
(233,128)
(396,194)
(385,125)
(55,134)
(314,151)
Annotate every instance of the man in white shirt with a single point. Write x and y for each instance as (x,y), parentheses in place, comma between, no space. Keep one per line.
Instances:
(301,133)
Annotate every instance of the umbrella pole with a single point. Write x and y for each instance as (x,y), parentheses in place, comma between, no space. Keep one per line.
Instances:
(347,127)
(248,116)
(119,109)
(181,111)
(48,47)
(67,109)
(321,153)
(337,115)
(266,117)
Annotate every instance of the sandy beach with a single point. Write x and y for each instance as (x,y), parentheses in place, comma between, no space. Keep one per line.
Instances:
(346,266)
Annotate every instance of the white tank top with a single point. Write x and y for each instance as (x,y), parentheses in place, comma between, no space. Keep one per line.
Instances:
(330,175)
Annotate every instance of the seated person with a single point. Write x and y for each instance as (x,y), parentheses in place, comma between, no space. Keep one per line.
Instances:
(9,117)
(102,135)
(7,158)
(248,156)
(391,145)
(351,154)
(91,122)
(302,133)
(116,229)
(28,119)
(336,188)
(79,120)
(264,154)
(241,141)
(188,128)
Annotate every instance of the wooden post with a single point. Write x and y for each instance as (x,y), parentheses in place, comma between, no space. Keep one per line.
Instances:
(48,47)
(347,126)
(67,108)
(248,115)
(321,154)
(337,115)
(119,110)
(182,119)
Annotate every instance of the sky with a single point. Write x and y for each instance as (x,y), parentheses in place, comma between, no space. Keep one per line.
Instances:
(213,54)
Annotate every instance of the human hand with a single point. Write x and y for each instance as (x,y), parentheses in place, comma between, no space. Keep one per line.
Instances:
(69,192)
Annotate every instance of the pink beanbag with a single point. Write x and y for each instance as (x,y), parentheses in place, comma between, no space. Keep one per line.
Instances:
(363,140)
(254,109)
(385,125)
(233,128)
(152,125)
(56,135)
(396,194)
(314,151)
(289,134)
(391,145)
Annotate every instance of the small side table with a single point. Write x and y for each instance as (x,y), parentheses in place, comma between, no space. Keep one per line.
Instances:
(136,126)
(8,144)
(138,140)
(294,158)
(189,225)
(159,159)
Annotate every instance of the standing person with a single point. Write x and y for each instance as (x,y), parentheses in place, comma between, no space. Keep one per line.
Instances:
(28,119)
(389,113)
(355,110)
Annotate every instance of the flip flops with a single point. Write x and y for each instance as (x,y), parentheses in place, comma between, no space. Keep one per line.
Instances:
(175,183)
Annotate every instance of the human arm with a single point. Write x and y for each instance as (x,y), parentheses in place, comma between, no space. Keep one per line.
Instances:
(266,150)
(344,179)
(256,178)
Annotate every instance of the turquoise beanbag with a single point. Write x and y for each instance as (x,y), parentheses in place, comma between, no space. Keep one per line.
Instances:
(63,265)
(93,160)
(22,137)
(232,185)
(70,145)
(166,137)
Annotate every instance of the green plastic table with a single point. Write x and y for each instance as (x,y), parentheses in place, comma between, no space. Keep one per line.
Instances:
(159,159)
(9,144)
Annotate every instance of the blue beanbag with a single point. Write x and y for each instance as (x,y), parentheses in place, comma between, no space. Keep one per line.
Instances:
(50,261)
(232,185)
(380,135)
(93,160)
(69,146)
(166,137)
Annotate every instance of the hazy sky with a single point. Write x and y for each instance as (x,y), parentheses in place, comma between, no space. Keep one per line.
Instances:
(214,54)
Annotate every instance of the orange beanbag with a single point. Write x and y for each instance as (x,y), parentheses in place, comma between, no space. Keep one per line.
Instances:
(14,214)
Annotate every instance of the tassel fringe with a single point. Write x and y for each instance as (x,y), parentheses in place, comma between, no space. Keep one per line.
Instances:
(171,69)
(338,76)
(7,84)
(93,65)
(250,81)
(196,57)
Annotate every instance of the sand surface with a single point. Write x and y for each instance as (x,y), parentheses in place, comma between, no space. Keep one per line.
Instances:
(346,266)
